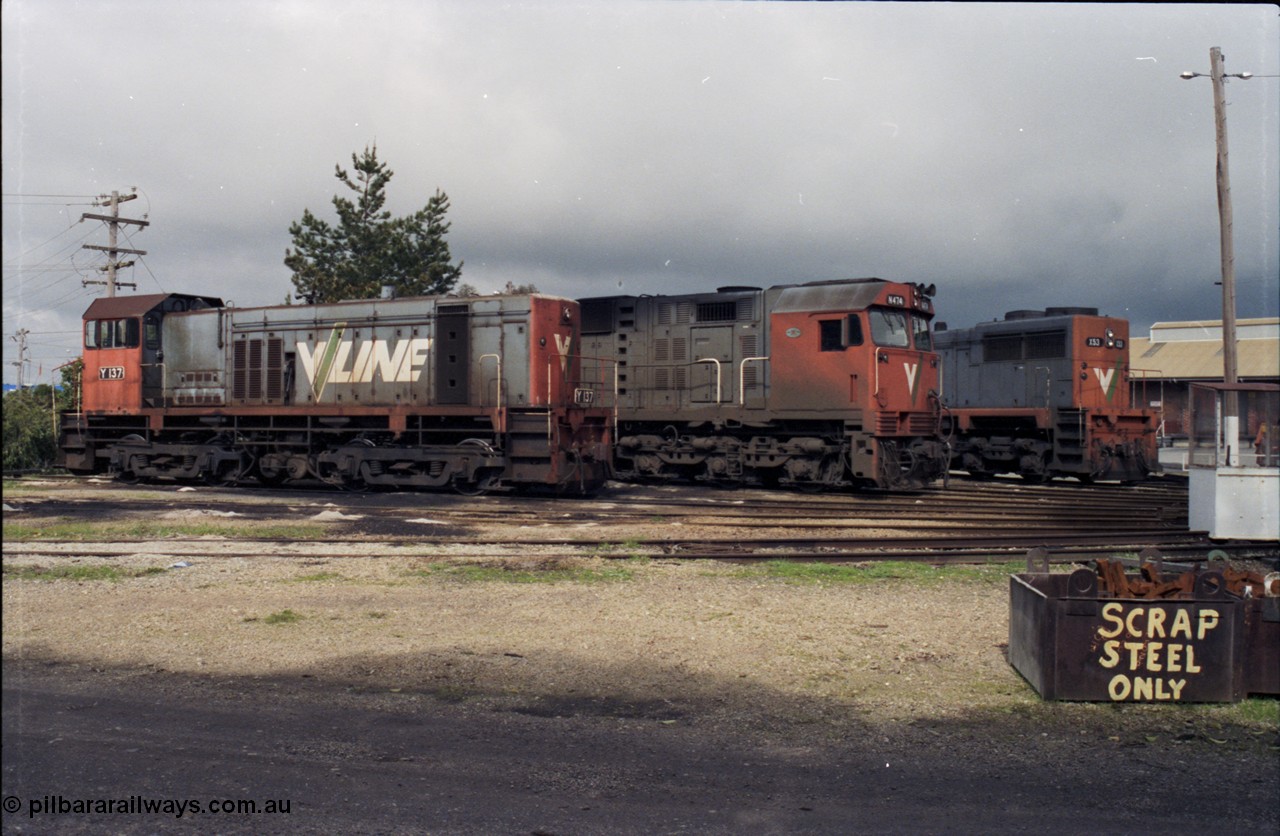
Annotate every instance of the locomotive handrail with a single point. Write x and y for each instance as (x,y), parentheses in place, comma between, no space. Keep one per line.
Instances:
(742,378)
(719,388)
(498,361)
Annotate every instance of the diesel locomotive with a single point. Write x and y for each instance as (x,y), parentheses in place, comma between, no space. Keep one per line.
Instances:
(830,384)
(431,392)
(1045,394)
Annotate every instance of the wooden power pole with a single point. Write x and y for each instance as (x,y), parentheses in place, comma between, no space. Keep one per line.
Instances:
(113,252)
(1231,399)
(21,339)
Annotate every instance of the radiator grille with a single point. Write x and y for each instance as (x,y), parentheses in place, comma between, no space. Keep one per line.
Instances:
(257,370)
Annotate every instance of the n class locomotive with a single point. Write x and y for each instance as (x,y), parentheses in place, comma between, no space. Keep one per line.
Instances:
(428,392)
(1045,394)
(829,384)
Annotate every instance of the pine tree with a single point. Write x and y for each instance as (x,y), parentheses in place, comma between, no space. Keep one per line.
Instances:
(368,248)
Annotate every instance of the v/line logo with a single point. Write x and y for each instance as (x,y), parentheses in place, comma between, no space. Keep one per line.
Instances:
(1107,379)
(397,361)
(912,369)
(331,361)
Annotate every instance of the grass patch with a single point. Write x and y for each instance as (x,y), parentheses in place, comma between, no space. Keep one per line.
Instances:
(155,530)
(281,617)
(21,486)
(316,577)
(77,573)
(522,573)
(868,572)
(1256,712)
(630,548)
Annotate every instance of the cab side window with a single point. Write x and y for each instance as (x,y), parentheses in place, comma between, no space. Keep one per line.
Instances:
(111,333)
(830,336)
(854,332)
(839,334)
(151,332)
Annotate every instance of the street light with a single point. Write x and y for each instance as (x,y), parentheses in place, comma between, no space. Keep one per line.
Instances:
(1231,411)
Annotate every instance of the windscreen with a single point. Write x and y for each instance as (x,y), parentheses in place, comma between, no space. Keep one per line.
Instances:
(889,328)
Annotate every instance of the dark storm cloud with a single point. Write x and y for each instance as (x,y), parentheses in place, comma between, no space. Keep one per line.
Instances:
(1016,156)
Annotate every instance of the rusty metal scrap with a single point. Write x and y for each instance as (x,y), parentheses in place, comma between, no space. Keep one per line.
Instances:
(1113,582)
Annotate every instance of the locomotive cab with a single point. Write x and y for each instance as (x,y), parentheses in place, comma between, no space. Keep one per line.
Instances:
(817,335)
(124,353)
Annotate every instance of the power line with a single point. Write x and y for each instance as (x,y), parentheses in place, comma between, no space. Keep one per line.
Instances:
(17,258)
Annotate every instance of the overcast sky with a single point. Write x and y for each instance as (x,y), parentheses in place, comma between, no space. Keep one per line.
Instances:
(1017,156)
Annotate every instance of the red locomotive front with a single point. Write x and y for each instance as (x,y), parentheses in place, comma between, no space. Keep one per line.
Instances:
(866,352)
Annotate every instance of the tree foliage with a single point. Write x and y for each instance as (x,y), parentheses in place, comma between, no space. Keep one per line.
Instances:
(368,248)
(466,290)
(30,440)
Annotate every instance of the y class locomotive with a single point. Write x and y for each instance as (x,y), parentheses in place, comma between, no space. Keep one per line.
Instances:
(822,385)
(428,392)
(1045,394)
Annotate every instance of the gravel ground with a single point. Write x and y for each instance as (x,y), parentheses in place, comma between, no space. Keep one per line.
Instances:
(727,641)
(627,630)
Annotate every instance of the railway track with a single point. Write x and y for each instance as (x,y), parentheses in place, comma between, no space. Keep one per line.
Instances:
(937,550)
(967,521)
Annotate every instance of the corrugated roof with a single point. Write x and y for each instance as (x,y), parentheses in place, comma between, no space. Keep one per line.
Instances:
(1216,323)
(1202,359)
(1253,328)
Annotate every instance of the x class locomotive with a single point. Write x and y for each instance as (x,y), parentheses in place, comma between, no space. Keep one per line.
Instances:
(822,385)
(1045,394)
(429,392)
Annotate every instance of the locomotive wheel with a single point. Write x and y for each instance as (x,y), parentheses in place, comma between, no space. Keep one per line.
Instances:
(216,478)
(479,487)
(484,483)
(224,474)
(131,477)
(273,480)
(354,485)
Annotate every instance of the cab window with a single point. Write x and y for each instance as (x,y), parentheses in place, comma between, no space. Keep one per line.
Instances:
(839,334)
(920,331)
(151,332)
(853,332)
(889,328)
(830,336)
(111,333)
